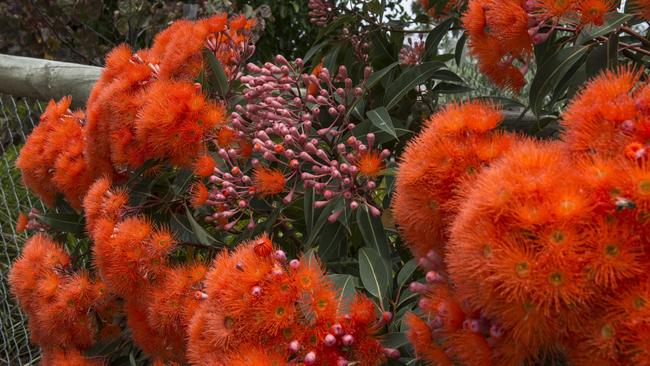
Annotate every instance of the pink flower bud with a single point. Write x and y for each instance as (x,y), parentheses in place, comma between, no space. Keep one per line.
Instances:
(337,329)
(294,264)
(330,340)
(347,340)
(294,346)
(391,353)
(256,291)
(280,256)
(310,358)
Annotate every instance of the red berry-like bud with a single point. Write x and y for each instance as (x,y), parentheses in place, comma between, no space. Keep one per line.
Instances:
(294,346)
(391,353)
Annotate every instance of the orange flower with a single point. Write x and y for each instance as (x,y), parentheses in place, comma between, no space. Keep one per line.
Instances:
(174,122)
(268,181)
(21,223)
(370,163)
(456,143)
(200,194)
(313,88)
(606,115)
(204,166)
(593,11)
(68,357)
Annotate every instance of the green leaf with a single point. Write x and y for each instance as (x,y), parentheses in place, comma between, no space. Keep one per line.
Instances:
(380,52)
(406,82)
(335,205)
(375,77)
(204,237)
(448,75)
(394,340)
(612,22)
(460,45)
(406,272)
(313,51)
(381,119)
(373,232)
(449,88)
(346,286)
(69,223)
(310,212)
(550,73)
(374,274)
(333,242)
(434,37)
(218,78)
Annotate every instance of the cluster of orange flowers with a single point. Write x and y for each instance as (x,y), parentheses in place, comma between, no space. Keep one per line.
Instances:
(252,307)
(145,106)
(502,32)
(547,247)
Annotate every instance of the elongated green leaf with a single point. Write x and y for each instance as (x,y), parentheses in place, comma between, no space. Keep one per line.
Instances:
(308,206)
(448,75)
(313,51)
(551,72)
(380,52)
(346,286)
(334,206)
(69,223)
(394,340)
(375,77)
(333,242)
(460,46)
(434,37)
(381,119)
(201,234)
(373,232)
(374,274)
(612,22)
(450,88)
(218,78)
(406,272)
(406,82)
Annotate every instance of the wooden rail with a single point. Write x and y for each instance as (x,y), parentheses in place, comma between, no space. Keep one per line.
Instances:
(45,79)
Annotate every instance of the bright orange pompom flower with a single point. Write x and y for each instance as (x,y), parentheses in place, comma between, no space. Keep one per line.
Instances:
(204,166)
(456,143)
(370,163)
(21,223)
(268,181)
(200,194)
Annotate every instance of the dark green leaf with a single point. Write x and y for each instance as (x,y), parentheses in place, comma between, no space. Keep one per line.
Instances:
(449,88)
(406,82)
(374,274)
(373,232)
(406,272)
(309,209)
(346,285)
(201,234)
(218,78)
(448,75)
(69,223)
(333,242)
(612,22)
(434,37)
(380,52)
(334,206)
(550,73)
(375,77)
(460,46)
(381,119)
(395,340)
(313,51)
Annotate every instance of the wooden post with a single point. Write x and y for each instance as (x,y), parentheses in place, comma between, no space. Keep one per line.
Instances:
(45,79)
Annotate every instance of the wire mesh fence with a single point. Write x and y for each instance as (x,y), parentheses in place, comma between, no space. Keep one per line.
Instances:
(18,116)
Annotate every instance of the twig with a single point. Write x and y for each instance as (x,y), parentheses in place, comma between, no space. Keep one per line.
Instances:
(636,35)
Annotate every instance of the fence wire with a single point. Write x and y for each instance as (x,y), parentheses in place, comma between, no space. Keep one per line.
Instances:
(18,117)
